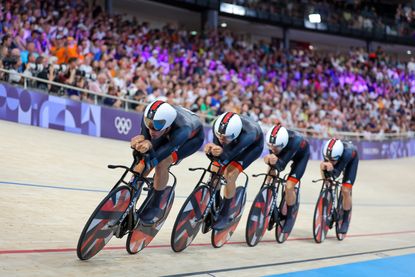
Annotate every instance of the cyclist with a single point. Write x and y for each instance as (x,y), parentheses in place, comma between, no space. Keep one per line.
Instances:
(341,157)
(285,146)
(237,142)
(168,135)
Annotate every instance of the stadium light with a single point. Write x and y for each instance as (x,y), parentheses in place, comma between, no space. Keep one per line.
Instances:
(231,8)
(224,25)
(193,33)
(409,52)
(314,18)
(311,47)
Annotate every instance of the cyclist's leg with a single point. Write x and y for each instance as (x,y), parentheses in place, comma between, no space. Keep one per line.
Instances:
(349,178)
(348,181)
(161,177)
(231,173)
(188,148)
(297,171)
(241,162)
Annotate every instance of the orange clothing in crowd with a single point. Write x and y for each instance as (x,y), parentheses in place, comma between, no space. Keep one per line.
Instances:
(60,53)
(381,105)
(73,51)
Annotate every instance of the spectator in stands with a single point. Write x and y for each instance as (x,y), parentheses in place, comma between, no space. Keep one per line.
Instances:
(219,71)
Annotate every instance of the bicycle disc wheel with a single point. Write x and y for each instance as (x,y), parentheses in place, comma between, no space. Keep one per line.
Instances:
(279,235)
(140,237)
(100,228)
(220,237)
(189,219)
(259,216)
(339,221)
(322,215)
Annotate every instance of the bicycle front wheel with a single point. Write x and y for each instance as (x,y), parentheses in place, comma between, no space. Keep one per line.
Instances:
(189,219)
(102,224)
(322,216)
(259,216)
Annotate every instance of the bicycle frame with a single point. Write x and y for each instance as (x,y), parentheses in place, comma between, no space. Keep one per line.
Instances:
(332,186)
(136,184)
(214,184)
(275,183)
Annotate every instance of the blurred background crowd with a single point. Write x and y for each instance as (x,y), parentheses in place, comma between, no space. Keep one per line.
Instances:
(78,44)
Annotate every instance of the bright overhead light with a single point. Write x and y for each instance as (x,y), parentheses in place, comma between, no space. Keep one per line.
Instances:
(409,52)
(231,8)
(224,25)
(314,18)
(193,33)
(311,47)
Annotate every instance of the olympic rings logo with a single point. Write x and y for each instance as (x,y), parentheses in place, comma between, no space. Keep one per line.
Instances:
(123,125)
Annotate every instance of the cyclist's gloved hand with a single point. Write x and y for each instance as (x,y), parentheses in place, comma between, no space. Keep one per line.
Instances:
(327,174)
(208,148)
(135,141)
(216,150)
(144,146)
(271,159)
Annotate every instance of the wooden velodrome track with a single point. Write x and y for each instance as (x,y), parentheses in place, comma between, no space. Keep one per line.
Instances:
(51,181)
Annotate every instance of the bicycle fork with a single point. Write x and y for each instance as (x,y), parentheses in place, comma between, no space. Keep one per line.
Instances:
(333,215)
(124,224)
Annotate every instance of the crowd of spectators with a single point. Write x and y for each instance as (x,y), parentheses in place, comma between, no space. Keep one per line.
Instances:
(352,14)
(80,45)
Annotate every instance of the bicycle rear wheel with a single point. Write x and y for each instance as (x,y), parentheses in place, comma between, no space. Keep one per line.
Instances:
(322,216)
(140,237)
(259,216)
(339,221)
(189,219)
(100,227)
(220,237)
(279,235)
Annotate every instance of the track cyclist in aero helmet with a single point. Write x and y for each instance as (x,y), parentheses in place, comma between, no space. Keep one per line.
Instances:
(341,157)
(168,135)
(237,142)
(285,146)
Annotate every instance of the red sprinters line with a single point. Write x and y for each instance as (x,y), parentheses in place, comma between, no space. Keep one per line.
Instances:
(33,251)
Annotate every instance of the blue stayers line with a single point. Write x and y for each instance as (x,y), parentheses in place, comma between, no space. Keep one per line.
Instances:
(51,187)
(64,188)
(392,266)
(180,196)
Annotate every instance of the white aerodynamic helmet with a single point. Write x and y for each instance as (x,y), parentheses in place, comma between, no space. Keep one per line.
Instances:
(228,125)
(159,115)
(333,149)
(277,136)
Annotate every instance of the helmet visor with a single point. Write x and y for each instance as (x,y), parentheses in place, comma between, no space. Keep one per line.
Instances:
(275,149)
(226,139)
(155,125)
(330,159)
